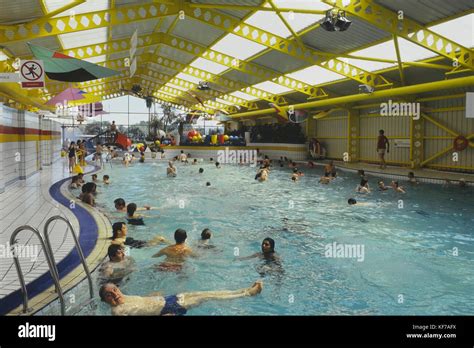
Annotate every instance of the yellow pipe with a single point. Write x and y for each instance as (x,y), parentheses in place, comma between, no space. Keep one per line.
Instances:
(388,93)
(436,155)
(436,123)
(399,60)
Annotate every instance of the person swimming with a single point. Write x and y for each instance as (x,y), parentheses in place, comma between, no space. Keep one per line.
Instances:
(171,170)
(204,242)
(295,176)
(262,174)
(119,237)
(118,267)
(218,165)
(106,179)
(352,201)
(325,180)
(156,304)
(382,186)
(330,170)
(363,187)
(267,253)
(175,254)
(132,218)
(201,170)
(121,206)
(195,161)
(396,187)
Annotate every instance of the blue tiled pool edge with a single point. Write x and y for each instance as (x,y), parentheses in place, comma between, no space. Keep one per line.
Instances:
(87,238)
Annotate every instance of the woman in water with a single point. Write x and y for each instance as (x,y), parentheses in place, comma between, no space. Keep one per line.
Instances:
(268,251)
(363,187)
(272,262)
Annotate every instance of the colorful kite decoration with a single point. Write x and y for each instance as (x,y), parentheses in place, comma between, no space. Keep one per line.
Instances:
(60,67)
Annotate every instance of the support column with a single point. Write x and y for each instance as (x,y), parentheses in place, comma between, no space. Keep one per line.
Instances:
(352,135)
(416,142)
(2,140)
(20,156)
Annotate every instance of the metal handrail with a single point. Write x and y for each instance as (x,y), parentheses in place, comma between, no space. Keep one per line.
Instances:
(50,265)
(78,248)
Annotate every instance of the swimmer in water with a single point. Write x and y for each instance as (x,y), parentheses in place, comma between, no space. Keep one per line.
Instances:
(204,242)
(171,170)
(363,187)
(106,179)
(118,267)
(382,186)
(396,187)
(295,176)
(132,218)
(268,251)
(195,161)
(155,304)
(325,180)
(262,175)
(330,170)
(119,237)
(201,170)
(352,201)
(121,206)
(175,254)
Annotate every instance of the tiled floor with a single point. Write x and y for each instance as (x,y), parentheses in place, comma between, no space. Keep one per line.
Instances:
(28,202)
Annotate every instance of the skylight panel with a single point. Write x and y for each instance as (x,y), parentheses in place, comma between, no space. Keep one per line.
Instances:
(242,95)
(187,77)
(271,87)
(460,30)
(207,65)
(315,75)
(85,37)
(238,47)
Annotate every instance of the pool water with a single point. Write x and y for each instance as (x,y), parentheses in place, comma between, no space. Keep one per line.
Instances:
(418,247)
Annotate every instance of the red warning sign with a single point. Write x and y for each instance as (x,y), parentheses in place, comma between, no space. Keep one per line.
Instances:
(32,74)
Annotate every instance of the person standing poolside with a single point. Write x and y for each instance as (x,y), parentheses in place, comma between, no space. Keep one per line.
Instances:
(382,146)
(72,156)
(98,154)
(175,254)
(178,304)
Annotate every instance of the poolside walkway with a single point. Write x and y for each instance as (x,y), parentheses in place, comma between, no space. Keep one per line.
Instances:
(424,175)
(28,202)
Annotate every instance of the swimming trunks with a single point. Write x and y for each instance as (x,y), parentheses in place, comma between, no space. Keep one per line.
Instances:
(172,307)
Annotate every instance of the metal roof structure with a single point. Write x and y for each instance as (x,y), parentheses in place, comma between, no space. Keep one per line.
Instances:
(251,52)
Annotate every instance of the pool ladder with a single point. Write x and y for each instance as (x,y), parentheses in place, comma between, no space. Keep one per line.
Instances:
(53,268)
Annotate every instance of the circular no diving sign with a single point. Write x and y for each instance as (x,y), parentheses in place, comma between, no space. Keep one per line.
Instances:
(32,74)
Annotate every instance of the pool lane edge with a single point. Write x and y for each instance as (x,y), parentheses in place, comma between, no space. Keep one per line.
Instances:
(94,230)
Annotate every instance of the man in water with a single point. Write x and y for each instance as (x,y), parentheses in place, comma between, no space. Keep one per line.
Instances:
(175,254)
(179,304)
(121,206)
(171,170)
(382,146)
(183,157)
(118,267)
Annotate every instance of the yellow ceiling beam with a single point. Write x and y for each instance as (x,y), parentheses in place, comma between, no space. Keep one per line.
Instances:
(91,20)
(290,47)
(407,28)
